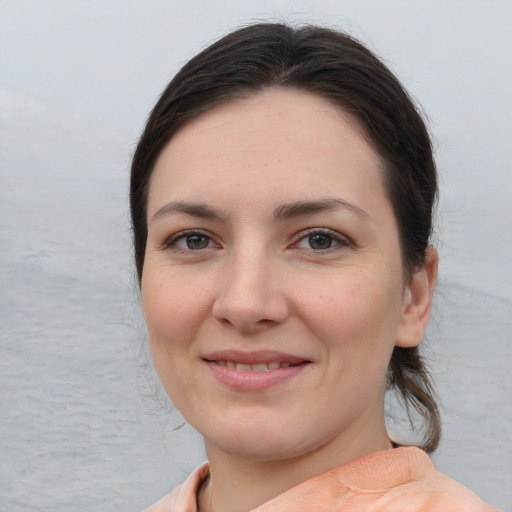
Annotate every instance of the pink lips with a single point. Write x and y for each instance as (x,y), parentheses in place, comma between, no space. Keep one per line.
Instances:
(254,371)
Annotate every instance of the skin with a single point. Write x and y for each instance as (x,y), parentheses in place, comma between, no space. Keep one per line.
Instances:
(258,275)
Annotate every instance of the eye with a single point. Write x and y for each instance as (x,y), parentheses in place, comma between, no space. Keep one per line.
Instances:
(321,240)
(190,241)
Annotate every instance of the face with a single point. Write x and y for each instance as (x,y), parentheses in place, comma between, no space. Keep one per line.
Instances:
(272,286)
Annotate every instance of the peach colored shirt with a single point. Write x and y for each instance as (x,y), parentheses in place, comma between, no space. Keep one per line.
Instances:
(398,480)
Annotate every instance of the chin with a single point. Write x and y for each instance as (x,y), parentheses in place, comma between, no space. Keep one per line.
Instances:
(258,445)
(262,452)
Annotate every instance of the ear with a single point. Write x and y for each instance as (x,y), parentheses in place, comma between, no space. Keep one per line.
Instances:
(417,302)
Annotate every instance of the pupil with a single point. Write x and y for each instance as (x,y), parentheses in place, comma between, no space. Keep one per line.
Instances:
(197,242)
(320,241)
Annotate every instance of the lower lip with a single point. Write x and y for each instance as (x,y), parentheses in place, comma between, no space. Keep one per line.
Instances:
(252,380)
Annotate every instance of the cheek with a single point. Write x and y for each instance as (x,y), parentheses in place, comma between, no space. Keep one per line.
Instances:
(356,318)
(174,311)
(172,305)
(356,301)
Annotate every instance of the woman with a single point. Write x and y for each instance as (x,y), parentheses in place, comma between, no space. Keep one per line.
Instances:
(281,198)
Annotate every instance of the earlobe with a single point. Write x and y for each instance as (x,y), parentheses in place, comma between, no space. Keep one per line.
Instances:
(418,302)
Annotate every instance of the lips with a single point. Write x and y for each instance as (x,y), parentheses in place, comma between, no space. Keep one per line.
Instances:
(270,358)
(258,367)
(254,370)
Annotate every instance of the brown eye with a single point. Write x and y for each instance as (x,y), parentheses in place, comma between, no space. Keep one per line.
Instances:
(190,241)
(320,241)
(197,242)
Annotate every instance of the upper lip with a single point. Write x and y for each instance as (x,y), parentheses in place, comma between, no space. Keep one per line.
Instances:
(254,357)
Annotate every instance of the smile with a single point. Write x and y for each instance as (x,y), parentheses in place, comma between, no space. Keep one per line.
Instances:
(258,367)
(254,371)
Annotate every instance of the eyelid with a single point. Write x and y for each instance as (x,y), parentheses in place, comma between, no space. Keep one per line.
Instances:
(171,241)
(341,240)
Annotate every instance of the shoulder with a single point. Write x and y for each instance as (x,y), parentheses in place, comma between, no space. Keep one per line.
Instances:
(428,489)
(183,497)
(402,479)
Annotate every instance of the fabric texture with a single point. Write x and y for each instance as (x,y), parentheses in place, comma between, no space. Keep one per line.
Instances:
(402,479)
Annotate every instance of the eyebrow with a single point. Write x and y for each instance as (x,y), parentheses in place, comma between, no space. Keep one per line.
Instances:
(303,208)
(283,212)
(200,210)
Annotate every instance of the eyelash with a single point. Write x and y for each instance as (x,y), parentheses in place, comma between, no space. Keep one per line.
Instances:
(172,242)
(339,240)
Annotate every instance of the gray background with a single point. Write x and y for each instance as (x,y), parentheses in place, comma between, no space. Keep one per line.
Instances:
(83,425)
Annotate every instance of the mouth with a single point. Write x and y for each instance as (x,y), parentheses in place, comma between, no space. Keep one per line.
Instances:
(258,367)
(254,371)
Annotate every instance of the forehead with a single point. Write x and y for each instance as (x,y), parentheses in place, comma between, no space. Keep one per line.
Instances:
(281,140)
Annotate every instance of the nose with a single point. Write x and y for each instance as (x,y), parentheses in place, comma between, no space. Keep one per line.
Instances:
(251,296)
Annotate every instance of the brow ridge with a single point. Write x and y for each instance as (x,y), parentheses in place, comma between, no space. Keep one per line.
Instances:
(201,210)
(303,208)
(283,212)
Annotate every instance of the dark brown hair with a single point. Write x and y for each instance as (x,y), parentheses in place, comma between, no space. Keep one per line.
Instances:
(340,69)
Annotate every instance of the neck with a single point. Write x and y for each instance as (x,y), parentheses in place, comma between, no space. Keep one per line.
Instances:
(240,485)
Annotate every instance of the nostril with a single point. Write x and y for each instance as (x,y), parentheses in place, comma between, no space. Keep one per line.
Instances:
(225,322)
(266,321)
(249,306)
